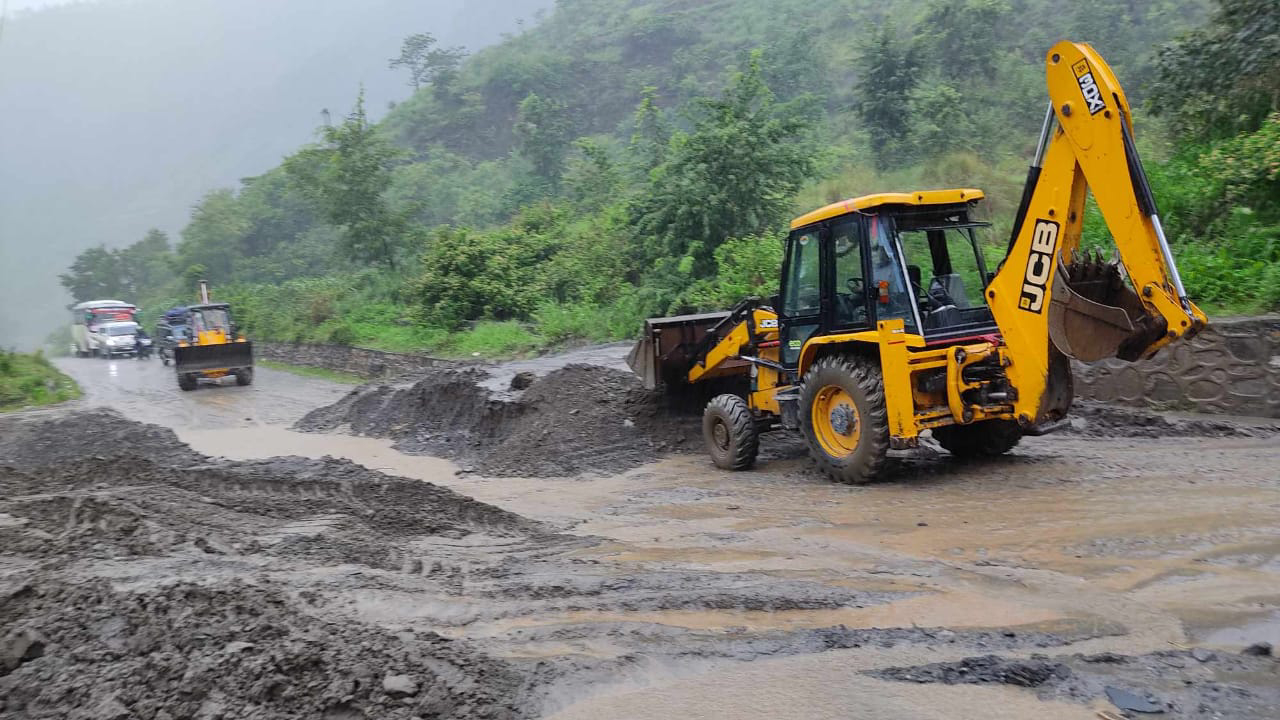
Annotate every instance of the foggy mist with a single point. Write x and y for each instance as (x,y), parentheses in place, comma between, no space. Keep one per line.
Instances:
(117,116)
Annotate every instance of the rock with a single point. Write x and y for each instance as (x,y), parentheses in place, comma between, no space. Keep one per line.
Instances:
(399,685)
(237,646)
(1203,655)
(1128,701)
(523,380)
(112,709)
(20,647)
(1262,649)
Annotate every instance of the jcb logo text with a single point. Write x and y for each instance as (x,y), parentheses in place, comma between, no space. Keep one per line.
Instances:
(1089,87)
(1044,240)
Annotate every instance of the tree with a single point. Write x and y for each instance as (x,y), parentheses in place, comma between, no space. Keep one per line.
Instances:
(889,72)
(736,174)
(146,265)
(591,179)
(428,64)
(1225,77)
(544,134)
(94,275)
(214,235)
(347,177)
(650,135)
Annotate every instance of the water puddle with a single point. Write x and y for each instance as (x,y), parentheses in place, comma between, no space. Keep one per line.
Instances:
(1256,629)
(253,443)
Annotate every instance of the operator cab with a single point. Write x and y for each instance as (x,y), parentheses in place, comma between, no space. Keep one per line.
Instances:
(914,256)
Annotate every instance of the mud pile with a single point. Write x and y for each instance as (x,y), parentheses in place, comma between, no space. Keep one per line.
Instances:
(575,419)
(232,651)
(36,440)
(1091,419)
(135,588)
(330,510)
(1174,684)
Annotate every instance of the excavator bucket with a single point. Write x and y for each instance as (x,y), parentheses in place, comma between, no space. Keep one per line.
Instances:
(1094,314)
(203,358)
(670,346)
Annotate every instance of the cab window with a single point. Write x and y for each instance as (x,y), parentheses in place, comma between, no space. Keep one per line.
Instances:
(804,292)
(850,278)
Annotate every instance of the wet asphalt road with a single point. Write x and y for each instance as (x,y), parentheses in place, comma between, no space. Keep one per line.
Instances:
(147,391)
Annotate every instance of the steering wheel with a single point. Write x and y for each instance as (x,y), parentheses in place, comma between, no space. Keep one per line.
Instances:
(938,293)
(857,286)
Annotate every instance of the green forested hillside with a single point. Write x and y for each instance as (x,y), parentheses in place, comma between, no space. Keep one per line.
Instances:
(627,157)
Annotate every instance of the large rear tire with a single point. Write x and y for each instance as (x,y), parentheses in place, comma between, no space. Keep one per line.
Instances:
(981,439)
(730,433)
(188,382)
(843,417)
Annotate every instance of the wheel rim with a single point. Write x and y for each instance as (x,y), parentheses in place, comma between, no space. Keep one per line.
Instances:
(720,435)
(836,422)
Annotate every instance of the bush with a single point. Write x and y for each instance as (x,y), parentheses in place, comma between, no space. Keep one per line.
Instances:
(494,339)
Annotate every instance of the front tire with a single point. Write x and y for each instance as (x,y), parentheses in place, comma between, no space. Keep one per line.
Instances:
(981,439)
(244,377)
(188,382)
(843,417)
(730,433)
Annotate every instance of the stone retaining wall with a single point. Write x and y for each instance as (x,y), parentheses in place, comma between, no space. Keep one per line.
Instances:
(371,364)
(1232,367)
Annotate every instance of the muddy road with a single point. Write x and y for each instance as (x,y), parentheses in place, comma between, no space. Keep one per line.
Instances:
(650,585)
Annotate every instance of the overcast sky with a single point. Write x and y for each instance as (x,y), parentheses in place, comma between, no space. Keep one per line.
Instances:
(27,4)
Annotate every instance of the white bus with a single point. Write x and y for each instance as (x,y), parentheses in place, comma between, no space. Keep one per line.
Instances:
(88,317)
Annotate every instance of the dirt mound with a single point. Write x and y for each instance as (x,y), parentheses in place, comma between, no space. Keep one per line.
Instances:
(987,669)
(1111,421)
(235,651)
(1180,684)
(326,510)
(29,442)
(575,419)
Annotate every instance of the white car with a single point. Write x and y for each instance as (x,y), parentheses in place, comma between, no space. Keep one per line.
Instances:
(116,339)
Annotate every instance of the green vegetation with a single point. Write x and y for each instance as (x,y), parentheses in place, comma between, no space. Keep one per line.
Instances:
(30,381)
(632,157)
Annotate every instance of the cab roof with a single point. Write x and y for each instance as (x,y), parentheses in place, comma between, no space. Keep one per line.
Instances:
(869,202)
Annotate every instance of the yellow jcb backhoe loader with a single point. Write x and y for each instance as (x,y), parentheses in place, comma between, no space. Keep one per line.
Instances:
(212,348)
(889,324)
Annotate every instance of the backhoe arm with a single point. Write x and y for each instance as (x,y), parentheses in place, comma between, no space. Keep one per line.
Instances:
(1052,302)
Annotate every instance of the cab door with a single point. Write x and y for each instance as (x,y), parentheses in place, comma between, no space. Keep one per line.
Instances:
(803,291)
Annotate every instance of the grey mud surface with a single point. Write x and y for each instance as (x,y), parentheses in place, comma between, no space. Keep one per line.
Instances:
(577,565)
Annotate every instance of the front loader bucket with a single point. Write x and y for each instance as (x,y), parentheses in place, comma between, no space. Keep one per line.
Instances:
(1094,314)
(670,346)
(199,358)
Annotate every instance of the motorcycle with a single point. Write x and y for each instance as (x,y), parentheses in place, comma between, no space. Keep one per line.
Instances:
(143,349)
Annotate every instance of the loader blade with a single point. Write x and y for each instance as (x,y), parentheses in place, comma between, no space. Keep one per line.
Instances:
(228,356)
(668,346)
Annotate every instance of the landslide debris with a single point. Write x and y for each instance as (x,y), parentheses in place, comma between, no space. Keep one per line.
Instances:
(151,582)
(38,440)
(1090,419)
(1183,683)
(233,650)
(574,419)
